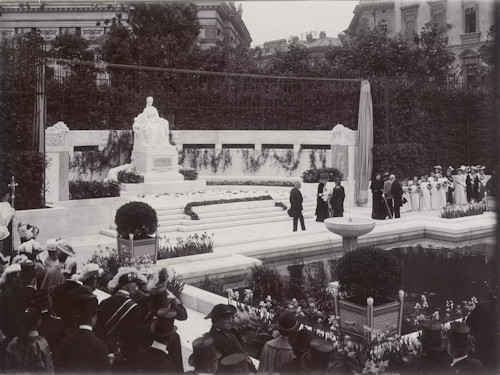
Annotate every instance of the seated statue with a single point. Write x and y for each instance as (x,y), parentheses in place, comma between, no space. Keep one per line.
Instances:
(149,128)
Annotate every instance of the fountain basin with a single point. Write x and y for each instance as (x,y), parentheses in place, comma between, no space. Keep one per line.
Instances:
(350,229)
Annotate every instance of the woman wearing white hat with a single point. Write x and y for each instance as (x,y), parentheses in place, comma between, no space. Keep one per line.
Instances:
(460,196)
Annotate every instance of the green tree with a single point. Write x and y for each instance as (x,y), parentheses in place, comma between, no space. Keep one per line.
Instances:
(372,52)
(71,47)
(295,61)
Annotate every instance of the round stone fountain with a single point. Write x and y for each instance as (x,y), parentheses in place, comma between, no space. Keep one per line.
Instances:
(350,229)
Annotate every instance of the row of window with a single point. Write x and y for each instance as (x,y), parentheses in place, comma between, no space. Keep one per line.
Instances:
(62,30)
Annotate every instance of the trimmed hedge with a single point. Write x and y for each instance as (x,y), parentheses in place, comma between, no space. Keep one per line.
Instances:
(250,182)
(189,173)
(125,177)
(137,218)
(79,189)
(188,210)
(369,272)
(312,175)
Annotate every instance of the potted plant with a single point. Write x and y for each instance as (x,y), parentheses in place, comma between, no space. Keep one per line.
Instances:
(136,225)
(368,282)
(491,186)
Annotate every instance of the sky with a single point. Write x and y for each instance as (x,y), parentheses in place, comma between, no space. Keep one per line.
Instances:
(272,20)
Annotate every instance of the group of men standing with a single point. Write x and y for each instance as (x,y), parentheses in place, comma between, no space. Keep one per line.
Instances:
(387,196)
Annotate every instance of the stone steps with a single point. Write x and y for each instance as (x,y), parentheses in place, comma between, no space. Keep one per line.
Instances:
(172,218)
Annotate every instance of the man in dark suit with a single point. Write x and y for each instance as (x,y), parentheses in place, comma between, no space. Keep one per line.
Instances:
(156,358)
(388,195)
(433,358)
(226,339)
(83,351)
(397,195)
(205,359)
(295,210)
(459,346)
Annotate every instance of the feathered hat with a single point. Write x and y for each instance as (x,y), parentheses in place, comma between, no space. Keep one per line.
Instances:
(13,268)
(30,246)
(125,276)
(88,271)
(27,231)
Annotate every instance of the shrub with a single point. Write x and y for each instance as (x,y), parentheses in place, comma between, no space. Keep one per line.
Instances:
(136,218)
(453,212)
(188,210)
(79,189)
(192,245)
(212,285)
(125,177)
(266,281)
(369,272)
(189,173)
(312,175)
(251,182)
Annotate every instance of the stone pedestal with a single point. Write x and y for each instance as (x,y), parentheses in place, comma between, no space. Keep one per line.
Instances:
(344,146)
(58,149)
(157,163)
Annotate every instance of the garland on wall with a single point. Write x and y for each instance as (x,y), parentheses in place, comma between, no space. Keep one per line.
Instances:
(118,148)
(322,158)
(198,159)
(289,162)
(253,161)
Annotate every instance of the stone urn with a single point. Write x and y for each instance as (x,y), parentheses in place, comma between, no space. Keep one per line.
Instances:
(350,229)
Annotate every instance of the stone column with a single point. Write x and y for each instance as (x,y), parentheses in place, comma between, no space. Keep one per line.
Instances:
(58,149)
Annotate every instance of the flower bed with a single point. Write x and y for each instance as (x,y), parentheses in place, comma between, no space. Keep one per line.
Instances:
(192,245)
(79,189)
(109,261)
(252,182)
(188,210)
(456,211)
(189,173)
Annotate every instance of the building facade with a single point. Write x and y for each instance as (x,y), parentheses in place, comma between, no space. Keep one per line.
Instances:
(220,21)
(470,21)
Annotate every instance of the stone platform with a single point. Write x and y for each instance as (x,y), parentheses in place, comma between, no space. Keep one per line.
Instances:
(162,186)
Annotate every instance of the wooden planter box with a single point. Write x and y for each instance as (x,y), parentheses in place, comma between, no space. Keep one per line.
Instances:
(128,249)
(353,317)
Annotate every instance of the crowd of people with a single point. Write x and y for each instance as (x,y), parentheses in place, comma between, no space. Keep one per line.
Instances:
(429,192)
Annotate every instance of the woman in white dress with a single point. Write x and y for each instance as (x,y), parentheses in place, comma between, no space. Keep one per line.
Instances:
(407,207)
(442,192)
(425,195)
(434,193)
(460,196)
(415,194)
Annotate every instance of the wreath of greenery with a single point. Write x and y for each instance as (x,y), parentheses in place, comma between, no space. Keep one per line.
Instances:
(289,162)
(253,161)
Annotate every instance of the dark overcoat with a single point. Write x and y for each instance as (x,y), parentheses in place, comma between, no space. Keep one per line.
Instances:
(83,352)
(296,200)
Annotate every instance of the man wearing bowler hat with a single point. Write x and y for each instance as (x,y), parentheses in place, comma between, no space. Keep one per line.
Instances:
(205,359)
(83,351)
(433,358)
(459,346)
(278,350)
(300,345)
(156,358)
(317,359)
(226,339)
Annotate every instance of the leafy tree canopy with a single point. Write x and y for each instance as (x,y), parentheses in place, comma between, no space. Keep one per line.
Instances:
(72,47)
(371,52)
(161,35)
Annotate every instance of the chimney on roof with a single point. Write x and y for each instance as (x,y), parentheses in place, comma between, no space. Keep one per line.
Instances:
(322,35)
(309,37)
